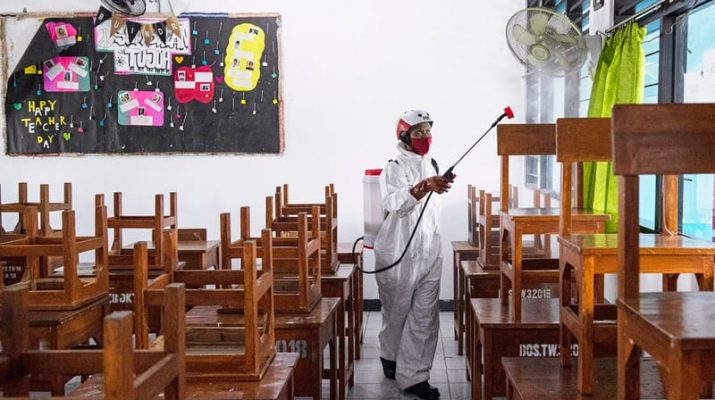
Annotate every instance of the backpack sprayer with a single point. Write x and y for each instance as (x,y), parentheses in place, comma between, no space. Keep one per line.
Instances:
(372,227)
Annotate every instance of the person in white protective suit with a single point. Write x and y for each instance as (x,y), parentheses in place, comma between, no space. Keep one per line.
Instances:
(409,292)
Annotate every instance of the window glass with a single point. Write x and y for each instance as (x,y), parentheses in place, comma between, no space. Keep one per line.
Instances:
(699,87)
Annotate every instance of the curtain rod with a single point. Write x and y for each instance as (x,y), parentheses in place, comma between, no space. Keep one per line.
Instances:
(635,17)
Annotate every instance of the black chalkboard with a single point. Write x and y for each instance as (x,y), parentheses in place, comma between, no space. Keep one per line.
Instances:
(232,121)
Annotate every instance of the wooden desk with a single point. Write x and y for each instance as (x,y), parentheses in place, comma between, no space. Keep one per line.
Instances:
(484,283)
(517,222)
(340,285)
(530,379)
(497,335)
(306,334)
(196,254)
(61,330)
(584,257)
(277,384)
(460,251)
(345,257)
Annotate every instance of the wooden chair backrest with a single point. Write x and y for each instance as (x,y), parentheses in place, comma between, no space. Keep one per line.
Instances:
(579,140)
(522,139)
(157,371)
(662,139)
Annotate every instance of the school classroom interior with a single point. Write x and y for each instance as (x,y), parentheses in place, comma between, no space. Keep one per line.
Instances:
(184,187)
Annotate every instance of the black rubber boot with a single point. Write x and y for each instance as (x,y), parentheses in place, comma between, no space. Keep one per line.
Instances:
(388,368)
(424,391)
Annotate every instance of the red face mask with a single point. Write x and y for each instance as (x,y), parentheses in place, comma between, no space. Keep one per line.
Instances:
(421,146)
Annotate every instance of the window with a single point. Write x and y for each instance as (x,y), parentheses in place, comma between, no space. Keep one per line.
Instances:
(698,77)
(649,186)
(550,98)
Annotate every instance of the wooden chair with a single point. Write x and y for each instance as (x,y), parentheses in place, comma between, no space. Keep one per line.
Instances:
(69,291)
(283,221)
(43,206)
(220,353)
(488,230)
(529,139)
(677,329)
(586,257)
(295,260)
(157,371)
(156,223)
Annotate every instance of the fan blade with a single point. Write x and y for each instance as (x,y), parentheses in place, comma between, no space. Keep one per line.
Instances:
(563,38)
(522,35)
(535,61)
(538,23)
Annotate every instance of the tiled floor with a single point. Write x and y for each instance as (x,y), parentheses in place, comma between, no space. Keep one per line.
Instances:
(448,371)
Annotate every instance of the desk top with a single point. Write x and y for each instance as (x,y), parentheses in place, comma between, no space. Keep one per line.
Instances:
(474,268)
(344,272)
(269,388)
(464,246)
(552,213)
(686,317)
(207,316)
(536,314)
(650,244)
(347,248)
(58,317)
(545,379)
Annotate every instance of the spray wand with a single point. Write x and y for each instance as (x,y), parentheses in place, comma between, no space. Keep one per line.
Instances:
(508,113)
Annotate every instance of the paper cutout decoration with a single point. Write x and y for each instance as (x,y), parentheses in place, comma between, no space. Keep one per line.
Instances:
(194,84)
(102,15)
(140,108)
(66,74)
(63,34)
(244,50)
(141,56)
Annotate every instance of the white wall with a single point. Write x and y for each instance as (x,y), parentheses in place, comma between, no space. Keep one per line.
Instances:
(350,68)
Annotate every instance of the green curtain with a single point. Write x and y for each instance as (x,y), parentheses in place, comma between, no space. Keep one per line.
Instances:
(619,80)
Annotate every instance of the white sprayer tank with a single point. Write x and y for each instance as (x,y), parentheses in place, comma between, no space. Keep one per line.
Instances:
(372,203)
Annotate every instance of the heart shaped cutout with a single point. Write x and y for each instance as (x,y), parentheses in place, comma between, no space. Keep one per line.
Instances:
(219,79)
(67,136)
(17,106)
(179,59)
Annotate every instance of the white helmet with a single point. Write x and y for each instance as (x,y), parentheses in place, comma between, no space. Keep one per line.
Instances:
(411,118)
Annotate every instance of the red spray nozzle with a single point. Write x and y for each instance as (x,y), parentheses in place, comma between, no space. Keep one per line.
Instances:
(509,113)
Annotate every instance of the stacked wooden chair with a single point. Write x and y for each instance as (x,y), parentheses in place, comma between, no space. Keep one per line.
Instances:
(283,220)
(163,257)
(68,291)
(44,206)
(157,222)
(296,258)
(237,351)
(158,371)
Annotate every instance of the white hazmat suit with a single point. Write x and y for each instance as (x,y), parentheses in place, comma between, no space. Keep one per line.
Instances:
(409,292)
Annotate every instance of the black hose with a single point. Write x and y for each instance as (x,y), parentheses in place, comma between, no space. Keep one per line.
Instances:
(414,230)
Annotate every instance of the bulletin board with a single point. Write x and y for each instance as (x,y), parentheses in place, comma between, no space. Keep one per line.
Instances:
(210,85)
